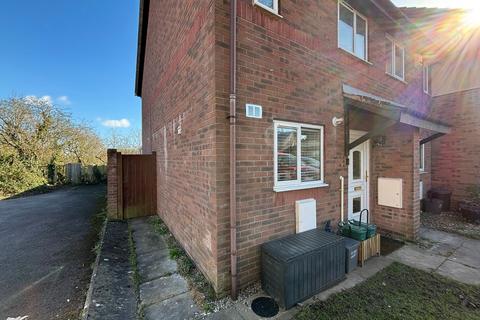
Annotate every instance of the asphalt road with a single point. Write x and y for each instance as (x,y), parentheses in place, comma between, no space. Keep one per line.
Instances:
(45,252)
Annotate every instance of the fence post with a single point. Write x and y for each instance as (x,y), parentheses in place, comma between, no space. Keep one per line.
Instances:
(113,183)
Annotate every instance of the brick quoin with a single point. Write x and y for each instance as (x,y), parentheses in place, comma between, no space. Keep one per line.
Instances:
(294,69)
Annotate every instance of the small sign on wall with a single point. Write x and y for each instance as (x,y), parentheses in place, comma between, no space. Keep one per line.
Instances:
(253,111)
(390,192)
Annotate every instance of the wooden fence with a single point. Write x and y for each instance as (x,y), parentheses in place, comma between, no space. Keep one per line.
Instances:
(132,185)
(76,173)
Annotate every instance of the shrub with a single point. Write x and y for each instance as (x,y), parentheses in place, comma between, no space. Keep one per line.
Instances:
(16,177)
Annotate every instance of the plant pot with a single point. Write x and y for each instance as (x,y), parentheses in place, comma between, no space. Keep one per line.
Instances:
(470,211)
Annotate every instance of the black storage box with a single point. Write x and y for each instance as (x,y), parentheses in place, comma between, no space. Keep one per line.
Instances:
(351,254)
(299,266)
(441,194)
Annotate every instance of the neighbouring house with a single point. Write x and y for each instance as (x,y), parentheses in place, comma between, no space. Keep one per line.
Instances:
(254,105)
(452,66)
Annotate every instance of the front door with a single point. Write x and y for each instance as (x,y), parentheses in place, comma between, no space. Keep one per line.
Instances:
(358,171)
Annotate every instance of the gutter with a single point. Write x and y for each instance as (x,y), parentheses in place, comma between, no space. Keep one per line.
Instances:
(233,148)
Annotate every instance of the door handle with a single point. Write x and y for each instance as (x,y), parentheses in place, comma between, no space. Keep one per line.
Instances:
(366,176)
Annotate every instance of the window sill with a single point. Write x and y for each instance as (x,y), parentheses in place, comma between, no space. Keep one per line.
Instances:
(351,54)
(300,186)
(396,78)
(423,172)
(269,10)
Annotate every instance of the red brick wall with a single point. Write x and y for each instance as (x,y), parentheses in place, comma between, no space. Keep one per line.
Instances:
(398,158)
(293,68)
(112,184)
(179,123)
(455,157)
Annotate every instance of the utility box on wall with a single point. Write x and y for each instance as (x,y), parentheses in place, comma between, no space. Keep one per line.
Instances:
(390,192)
(306,215)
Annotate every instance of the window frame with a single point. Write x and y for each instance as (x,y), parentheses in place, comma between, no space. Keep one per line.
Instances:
(394,44)
(355,14)
(281,186)
(422,158)
(427,74)
(275,6)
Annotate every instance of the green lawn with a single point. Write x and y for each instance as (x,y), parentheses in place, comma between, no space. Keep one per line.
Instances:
(400,292)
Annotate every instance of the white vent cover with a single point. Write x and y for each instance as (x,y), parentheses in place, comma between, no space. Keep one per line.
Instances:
(254,111)
(390,192)
(306,213)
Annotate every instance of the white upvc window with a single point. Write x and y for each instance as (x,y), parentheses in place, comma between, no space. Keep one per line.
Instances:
(422,158)
(270,5)
(298,156)
(352,31)
(427,79)
(395,57)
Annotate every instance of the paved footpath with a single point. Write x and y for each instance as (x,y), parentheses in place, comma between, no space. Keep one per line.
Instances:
(447,254)
(164,294)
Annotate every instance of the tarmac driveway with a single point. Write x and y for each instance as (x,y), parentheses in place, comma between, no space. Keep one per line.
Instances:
(45,252)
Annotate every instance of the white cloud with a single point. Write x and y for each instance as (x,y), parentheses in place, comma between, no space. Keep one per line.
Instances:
(121,123)
(64,100)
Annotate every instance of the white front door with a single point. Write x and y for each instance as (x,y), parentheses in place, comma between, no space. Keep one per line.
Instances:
(358,175)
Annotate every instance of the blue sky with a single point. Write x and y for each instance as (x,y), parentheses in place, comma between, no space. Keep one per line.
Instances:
(80,53)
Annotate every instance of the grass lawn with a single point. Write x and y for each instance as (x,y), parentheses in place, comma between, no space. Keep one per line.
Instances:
(400,292)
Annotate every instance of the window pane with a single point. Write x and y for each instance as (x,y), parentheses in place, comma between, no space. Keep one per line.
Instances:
(287,153)
(399,61)
(429,79)
(311,154)
(357,205)
(361,38)
(357,165)
(389,56)
(345,29)
(267,3)
(422,157)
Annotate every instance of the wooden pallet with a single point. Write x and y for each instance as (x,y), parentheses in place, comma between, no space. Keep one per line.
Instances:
(368,248)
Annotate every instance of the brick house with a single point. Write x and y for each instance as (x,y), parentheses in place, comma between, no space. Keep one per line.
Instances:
(453,66)
(255,106)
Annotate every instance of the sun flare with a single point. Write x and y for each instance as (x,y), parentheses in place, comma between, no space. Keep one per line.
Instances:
(472,18)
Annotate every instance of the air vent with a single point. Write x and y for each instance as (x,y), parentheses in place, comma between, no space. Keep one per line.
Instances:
(254,111)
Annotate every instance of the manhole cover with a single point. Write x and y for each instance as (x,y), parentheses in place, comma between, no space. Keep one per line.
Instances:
(265,307)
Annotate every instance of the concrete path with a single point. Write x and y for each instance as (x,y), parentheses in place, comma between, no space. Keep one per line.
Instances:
(113,290)
(45,254)
(164,294)
(447,254)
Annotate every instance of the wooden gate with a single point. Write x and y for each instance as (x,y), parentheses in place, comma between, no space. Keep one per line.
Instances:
(132,184)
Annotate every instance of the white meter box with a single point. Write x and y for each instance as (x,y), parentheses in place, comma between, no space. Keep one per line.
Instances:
(390,192)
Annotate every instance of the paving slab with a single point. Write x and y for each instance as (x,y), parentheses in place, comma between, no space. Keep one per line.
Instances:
(460,272)
(418,258)
(442,237)
(148,241)
(180,307)
(113,293)
(156,268)
(161,289)
(373,266)
(228,314)
(465,256)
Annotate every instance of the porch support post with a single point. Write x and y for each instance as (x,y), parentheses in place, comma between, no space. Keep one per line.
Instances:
(380,129)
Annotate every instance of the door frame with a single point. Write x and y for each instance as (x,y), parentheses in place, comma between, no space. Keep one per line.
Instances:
(354,135)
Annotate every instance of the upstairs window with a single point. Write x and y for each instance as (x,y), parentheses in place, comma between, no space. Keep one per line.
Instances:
(352,31)
(395,57)
(298,158)
(427,79)
(270,5)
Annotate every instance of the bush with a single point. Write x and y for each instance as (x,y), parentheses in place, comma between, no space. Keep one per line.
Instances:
(16,177)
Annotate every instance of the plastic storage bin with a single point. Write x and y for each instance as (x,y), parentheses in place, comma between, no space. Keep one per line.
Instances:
(351,254)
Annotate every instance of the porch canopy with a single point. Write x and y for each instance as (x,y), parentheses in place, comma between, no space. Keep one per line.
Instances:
(366,112)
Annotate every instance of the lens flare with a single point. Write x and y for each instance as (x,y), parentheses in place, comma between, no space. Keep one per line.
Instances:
(472,18)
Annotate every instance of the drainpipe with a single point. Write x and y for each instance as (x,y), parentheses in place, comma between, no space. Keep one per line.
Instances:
(233,149)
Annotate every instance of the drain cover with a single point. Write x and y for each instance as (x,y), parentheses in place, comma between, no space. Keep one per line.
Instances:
(265,307)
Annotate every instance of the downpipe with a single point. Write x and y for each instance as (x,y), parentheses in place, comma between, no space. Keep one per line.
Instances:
(233,150)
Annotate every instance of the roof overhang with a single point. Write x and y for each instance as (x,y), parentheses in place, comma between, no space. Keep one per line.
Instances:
(391,110)
(142,42)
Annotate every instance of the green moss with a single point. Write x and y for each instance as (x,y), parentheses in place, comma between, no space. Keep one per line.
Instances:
(400,292)
(186,267)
